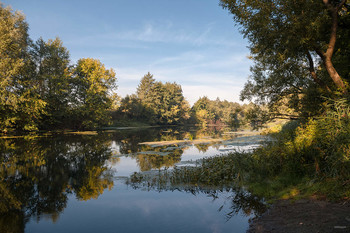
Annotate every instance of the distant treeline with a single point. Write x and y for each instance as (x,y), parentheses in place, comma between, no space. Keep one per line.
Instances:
(164,104)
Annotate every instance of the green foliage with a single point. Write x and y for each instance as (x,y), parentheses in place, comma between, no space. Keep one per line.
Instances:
(317,151)
(299,49)
(131,108)
(155,103)
(20,105)
(40,90)
(92,86)
(317,148)
(217,112)
(304,159)
(145,88)
(50,68)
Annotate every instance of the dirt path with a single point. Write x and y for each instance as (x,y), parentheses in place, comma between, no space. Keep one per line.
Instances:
(304,216)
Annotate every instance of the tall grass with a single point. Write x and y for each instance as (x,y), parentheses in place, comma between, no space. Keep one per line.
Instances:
(305,159)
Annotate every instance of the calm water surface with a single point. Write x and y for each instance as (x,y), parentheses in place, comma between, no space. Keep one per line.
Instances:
(77,183)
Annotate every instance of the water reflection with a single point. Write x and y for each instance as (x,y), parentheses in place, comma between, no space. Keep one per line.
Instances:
(155,156)
(38,175)
(238,200)
(128,141)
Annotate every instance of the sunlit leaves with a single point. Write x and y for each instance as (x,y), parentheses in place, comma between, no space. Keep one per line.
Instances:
(93,86)
(206,111)
(20,106)
(290,42)
(156,103)
(50,61)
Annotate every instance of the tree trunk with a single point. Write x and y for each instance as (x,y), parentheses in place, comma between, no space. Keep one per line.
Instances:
(334,74)
(327,56)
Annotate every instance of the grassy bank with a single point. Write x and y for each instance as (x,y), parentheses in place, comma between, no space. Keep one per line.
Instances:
(306,159)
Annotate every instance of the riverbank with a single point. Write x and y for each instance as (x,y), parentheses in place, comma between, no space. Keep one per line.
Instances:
(303,216)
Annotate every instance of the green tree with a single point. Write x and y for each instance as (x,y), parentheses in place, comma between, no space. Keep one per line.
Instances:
(293,44)
(132,108)
(174,108)
(145,88)
(20,105)
(201,111)
(164,103)
(206,111)
(51,72)
(93,86)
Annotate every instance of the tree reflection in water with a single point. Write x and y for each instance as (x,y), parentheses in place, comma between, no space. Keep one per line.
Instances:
(155,157)
(237,201)
(38,174)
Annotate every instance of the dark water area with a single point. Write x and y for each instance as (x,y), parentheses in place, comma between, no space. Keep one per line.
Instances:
(77,183)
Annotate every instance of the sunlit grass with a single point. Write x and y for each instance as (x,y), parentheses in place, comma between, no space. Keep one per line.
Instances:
(306,160)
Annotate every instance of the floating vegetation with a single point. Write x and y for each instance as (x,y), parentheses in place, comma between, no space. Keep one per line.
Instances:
(26,137)
(172,148)
(181,142)
(246,140)
(230,132)
(167,131)
(154,153)
(83,132)
(164,143)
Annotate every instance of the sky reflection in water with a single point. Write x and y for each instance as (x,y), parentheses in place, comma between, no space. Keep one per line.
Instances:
(77,184)
(126,210)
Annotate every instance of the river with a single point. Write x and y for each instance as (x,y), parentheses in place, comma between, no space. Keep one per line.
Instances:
(78,182)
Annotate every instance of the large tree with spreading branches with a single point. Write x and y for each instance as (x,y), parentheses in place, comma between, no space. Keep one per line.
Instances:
(300,48)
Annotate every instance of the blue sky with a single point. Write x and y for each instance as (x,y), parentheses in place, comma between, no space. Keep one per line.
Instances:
(191,42)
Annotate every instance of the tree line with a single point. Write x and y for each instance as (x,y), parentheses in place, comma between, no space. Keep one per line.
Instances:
(40,89)
(158,103)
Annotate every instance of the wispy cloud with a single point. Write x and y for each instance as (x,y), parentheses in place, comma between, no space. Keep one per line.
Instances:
(202,50)
(151,32)
(195,80)
(203,37)
(227,92)
(202,62)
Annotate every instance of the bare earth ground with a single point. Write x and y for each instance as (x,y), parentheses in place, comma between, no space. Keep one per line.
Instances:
(303,216)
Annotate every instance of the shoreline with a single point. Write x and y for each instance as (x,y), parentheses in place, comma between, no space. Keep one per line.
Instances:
(303,216)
